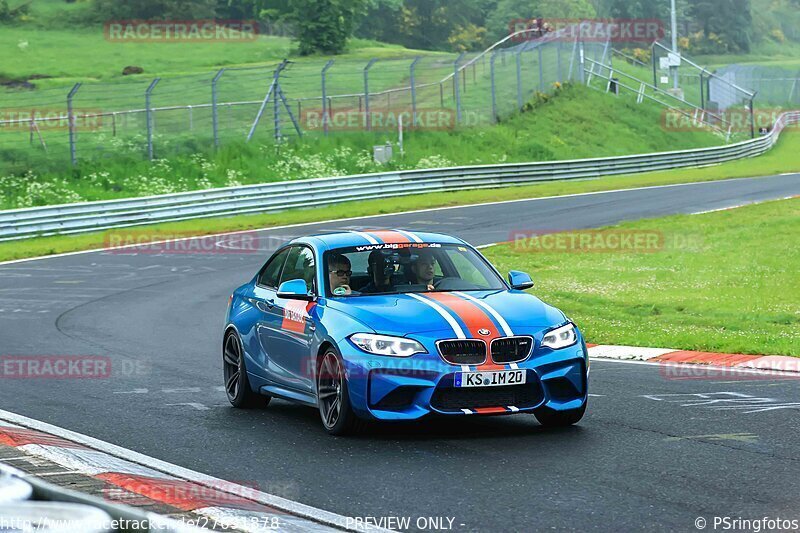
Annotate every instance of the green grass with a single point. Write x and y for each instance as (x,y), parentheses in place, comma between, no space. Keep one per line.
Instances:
(785,157)
(577,123)
(724,282)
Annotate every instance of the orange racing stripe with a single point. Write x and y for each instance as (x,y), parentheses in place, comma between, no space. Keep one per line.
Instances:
(474,317)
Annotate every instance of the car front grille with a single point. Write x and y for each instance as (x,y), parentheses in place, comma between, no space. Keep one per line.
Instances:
(453,399)
(511,349)
(463,352)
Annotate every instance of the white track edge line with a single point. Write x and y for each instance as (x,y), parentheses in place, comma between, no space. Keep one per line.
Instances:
(362,217)
(291,507)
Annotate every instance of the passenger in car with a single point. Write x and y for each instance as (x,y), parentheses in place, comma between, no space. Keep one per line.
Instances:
(339,273)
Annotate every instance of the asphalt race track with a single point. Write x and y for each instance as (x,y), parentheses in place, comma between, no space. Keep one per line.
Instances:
(652,452)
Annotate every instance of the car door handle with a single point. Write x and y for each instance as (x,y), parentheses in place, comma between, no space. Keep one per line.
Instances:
(265,306)
(270,303)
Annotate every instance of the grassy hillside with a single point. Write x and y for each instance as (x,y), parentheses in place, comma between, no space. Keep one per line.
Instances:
(578,122)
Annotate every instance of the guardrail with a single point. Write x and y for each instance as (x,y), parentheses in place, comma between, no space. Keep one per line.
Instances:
(97,216)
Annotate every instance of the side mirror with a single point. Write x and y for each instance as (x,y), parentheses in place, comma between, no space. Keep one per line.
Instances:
(294,290)
(519,280)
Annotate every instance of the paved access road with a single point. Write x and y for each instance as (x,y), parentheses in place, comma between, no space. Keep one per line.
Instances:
(652,453)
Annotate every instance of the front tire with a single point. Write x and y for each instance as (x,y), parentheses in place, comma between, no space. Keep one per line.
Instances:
(333,397)
(556,419)
(237,386)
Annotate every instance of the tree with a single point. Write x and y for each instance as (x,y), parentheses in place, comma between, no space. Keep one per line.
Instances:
(726,25)
(155,9)
(323,26)
(507,11)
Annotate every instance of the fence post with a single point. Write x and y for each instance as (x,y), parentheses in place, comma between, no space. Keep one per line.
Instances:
(572,58)
(73,154)
(413,69)
(519,77)
(541,69)
(752,117)
(494,88)
(702,95)
(366,92)
(653,60)
(325,109)
(276,108)
(582,62)
(558,62)
(214,111)
(191,118)
(149,117)
(457,87)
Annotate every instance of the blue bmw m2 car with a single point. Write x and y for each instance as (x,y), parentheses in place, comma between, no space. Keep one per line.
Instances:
(394,325)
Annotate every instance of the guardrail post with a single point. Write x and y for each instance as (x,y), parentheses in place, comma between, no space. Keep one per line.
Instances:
(494,88)
(214,110)
(412,70)
(366,93)
(149,117)
(457,87)
(73,153)
(325,110)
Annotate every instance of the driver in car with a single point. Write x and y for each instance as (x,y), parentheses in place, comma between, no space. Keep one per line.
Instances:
(423,269)
(380,269)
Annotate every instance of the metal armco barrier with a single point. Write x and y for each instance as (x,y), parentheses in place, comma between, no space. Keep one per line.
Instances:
(96,216)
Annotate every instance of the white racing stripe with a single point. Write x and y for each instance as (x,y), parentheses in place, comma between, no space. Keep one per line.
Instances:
(514,366)
(367,236)
(443,312)
(464,368)
(413,236)
(466,411)
(513,409)
(500,320)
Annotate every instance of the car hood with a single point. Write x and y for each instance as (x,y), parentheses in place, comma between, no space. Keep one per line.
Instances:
(404,314)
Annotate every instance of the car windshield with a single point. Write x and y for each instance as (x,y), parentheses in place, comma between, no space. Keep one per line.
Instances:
(407,268)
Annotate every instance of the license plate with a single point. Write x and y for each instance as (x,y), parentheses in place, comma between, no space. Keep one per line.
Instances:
(490,379)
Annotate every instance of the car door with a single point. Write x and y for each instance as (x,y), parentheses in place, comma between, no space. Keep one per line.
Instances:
(289,344)
(269,319)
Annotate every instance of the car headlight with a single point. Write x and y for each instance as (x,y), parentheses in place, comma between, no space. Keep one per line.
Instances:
(386,345)
(561,337)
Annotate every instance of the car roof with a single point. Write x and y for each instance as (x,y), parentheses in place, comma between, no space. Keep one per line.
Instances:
(344,239)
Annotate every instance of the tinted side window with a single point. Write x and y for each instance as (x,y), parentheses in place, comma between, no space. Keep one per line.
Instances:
(300,265)
(269,276)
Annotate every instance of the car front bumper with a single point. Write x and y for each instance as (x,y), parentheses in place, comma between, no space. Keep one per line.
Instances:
(385,388)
